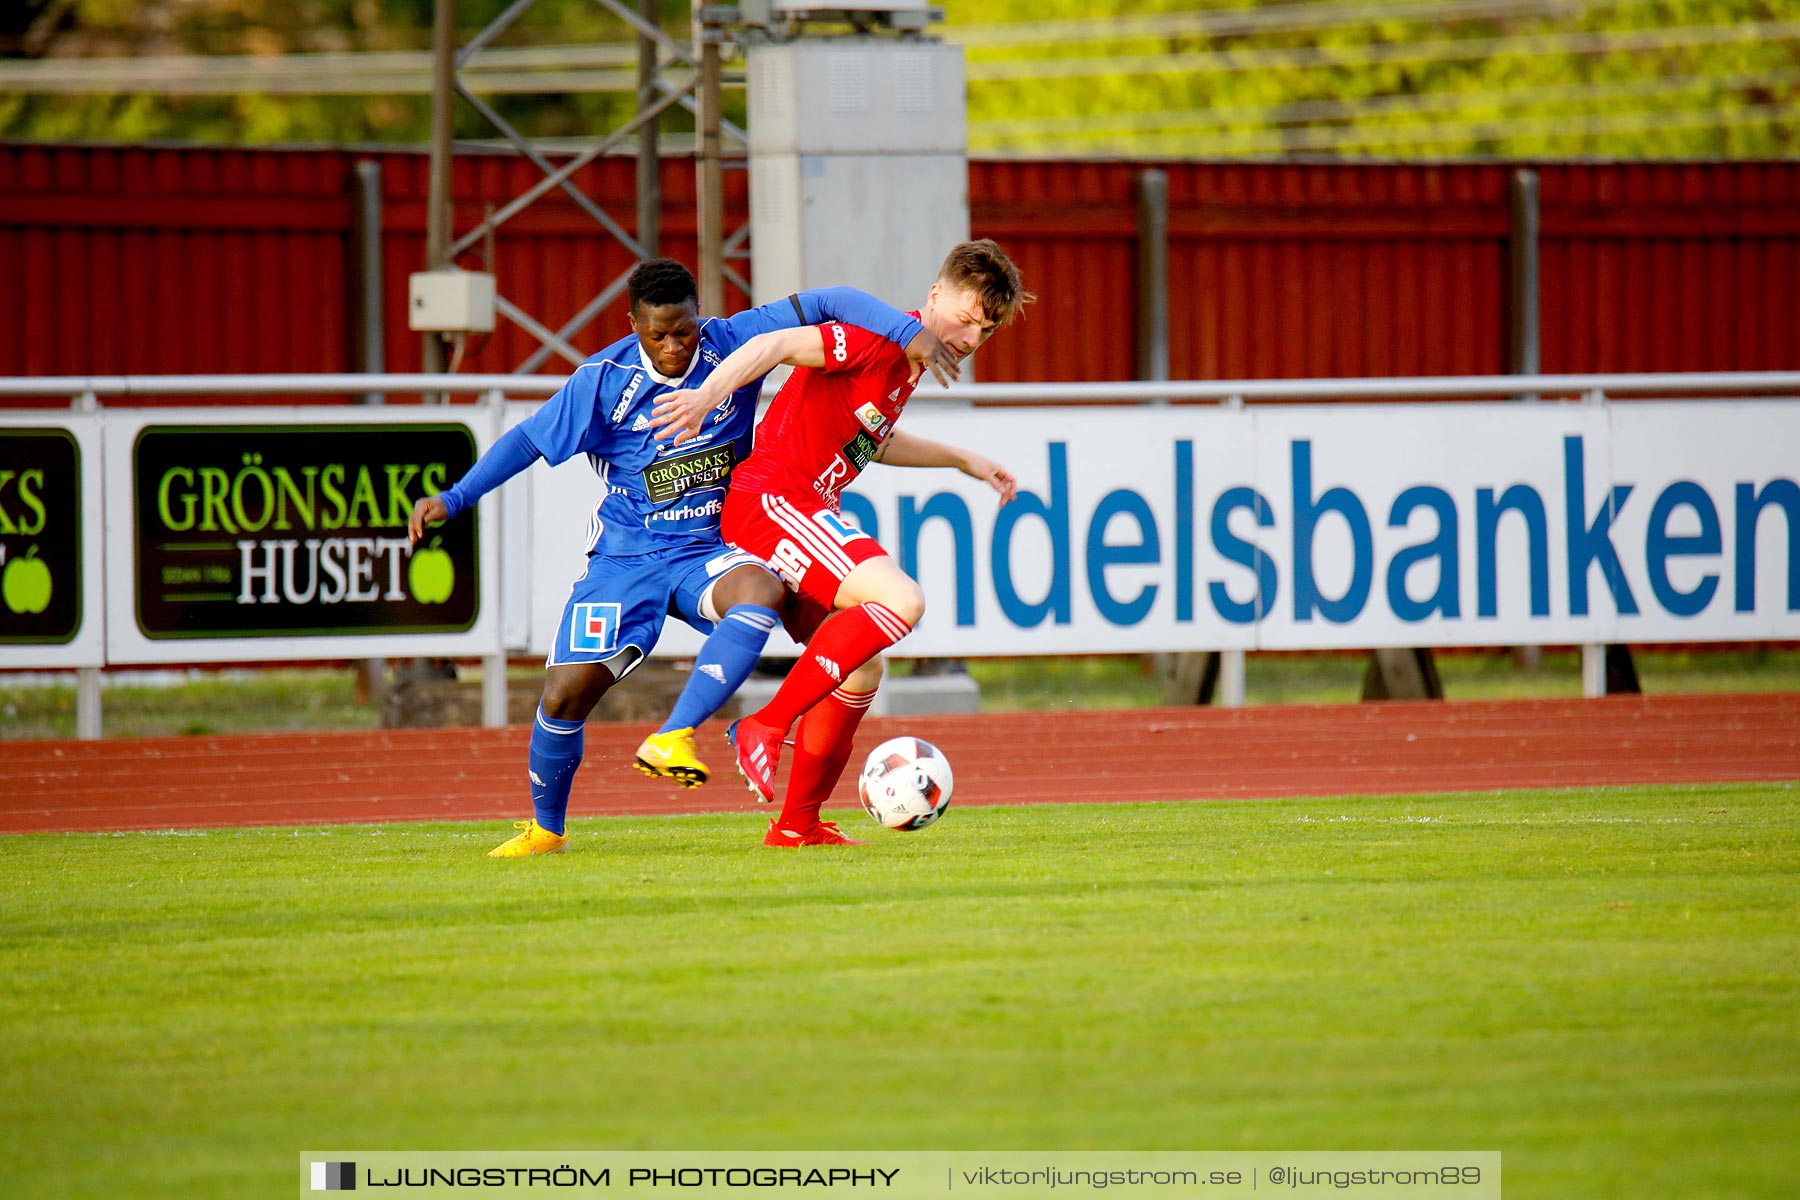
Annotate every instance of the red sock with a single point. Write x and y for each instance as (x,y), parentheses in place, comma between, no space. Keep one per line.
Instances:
(821,748)
(846,641)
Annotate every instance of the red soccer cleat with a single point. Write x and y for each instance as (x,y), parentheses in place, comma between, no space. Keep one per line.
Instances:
(825,833)
(758,753)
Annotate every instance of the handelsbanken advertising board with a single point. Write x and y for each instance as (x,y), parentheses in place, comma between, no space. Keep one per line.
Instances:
(261,531)
(1309,526)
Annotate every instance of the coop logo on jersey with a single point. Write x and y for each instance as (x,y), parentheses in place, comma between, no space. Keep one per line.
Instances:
(872,418)
(668,479)
(840,349)
(594,629)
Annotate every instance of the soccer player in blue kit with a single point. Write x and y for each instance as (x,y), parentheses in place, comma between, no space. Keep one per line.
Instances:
(653,541)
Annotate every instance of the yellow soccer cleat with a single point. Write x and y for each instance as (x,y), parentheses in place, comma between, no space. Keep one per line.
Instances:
(534,839)
(671,756)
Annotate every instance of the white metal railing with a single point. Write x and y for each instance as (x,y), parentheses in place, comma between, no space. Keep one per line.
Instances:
(1424,387)
(104,387)
(1443,387)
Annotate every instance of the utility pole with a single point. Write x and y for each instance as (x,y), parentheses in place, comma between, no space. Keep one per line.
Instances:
(437,217)
(709,165)
(649,155)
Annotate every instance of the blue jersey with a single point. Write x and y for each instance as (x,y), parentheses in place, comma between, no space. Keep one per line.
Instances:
(655,495)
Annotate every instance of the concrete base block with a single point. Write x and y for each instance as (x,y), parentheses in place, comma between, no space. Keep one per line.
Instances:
(646,695)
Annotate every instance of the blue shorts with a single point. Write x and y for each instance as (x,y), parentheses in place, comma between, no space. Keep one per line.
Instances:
(616,609)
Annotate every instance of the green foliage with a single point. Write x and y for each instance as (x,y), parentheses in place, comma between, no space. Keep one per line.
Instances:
(1667,78)
(243,702)
(1601,984)
(1616,78)
(117,28)
(294,699)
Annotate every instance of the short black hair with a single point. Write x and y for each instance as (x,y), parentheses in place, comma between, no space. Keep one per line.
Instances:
(659,281)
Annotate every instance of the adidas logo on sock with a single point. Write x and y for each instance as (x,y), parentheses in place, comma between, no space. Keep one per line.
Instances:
(831,668)
(641,424)
(713,671)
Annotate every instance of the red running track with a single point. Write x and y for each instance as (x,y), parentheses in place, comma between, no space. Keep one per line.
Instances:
(1013,758)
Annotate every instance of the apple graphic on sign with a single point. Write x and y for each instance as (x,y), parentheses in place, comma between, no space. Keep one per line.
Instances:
(432,574)
(26,584)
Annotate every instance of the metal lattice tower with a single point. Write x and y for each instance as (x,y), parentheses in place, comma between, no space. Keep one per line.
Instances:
(671,72)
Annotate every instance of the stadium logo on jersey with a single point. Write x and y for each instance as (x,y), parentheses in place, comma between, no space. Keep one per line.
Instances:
(618,412)
(840,349)
(872,418)
(710,356)
(668,479)
(594,629)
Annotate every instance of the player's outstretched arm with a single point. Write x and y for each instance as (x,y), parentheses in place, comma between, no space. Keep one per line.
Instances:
(902,449)
(512,453)
(679,414)
(925,351)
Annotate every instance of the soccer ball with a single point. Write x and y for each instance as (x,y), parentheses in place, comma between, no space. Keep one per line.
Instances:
(906,783)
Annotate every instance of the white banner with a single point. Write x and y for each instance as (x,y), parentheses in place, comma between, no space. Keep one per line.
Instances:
(1137,529)
(1316,526)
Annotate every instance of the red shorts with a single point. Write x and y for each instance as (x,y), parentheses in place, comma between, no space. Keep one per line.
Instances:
(811,547)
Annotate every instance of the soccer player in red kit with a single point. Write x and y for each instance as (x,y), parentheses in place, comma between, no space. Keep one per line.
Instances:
(848,600)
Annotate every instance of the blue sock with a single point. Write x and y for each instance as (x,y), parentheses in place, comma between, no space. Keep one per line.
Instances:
(725,662)
(555,753)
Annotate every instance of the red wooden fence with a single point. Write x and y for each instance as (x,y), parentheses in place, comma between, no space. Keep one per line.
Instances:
(197,259)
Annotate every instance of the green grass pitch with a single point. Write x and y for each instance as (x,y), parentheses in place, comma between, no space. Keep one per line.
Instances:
(1603,984)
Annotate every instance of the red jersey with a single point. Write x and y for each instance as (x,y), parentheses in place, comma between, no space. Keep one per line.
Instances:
(826,423)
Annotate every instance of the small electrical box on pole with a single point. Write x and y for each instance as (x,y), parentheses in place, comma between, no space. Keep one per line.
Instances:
(450,301)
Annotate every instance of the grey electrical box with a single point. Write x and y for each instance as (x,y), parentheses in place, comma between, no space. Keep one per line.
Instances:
(858,165)
(450,302)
